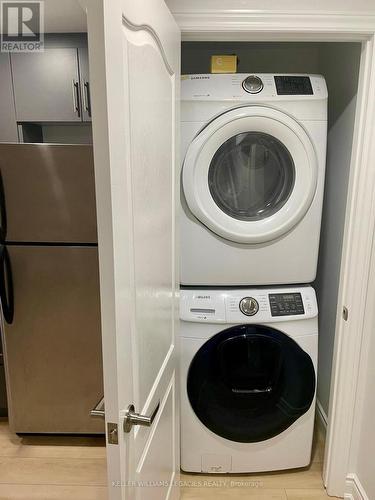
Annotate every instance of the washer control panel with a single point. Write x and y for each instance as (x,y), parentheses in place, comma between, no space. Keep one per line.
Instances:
(249,306)
(286,304)
(252,305)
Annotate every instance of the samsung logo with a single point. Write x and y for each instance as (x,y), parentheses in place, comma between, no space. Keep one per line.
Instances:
(200,77)
(203,296)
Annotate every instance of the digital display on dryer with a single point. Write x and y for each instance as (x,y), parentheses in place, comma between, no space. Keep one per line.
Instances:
(293,85)
(286,304)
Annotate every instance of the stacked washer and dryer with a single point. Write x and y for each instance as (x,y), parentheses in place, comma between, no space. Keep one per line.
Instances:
(254,150)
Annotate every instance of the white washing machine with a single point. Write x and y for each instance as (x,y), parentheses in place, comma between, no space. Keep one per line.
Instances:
(254,149)
(248,378)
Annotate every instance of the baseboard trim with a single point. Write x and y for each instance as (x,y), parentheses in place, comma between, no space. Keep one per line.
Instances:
(321,416)
(354,489)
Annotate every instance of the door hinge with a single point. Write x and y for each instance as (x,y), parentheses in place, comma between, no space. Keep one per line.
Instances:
(345,313)
(112,433)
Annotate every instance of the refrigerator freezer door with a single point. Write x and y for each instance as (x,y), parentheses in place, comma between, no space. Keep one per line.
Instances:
(53,347)
(49,192)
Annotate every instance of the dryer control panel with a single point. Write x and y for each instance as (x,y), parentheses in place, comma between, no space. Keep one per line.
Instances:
(255,88)
(248,305)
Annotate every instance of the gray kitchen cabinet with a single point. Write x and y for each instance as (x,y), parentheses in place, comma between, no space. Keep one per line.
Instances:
(83,57)
(8,124)
(47,86)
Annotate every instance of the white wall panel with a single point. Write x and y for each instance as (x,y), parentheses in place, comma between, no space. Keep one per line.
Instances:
(285,5)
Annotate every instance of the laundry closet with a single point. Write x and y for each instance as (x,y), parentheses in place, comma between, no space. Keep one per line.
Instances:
(251,358)
(277,282)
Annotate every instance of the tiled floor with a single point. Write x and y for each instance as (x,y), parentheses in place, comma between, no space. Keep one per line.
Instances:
(48,468)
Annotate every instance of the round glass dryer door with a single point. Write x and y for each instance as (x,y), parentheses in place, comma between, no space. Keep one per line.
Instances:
(249,383)
(251,174)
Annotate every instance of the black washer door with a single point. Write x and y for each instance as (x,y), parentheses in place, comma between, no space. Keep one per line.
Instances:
(249,383)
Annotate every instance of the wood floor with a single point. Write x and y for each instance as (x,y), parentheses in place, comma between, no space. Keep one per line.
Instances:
(49,468)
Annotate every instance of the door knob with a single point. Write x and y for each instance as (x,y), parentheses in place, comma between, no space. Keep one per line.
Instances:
(133,418)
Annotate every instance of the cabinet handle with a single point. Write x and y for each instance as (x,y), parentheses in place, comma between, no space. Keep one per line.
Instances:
(76,108)
(86,97)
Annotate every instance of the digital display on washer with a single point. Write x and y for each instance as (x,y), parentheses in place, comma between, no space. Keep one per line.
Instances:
(293,85)
(286,304)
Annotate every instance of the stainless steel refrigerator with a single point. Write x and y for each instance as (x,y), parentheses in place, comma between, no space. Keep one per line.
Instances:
(49,288)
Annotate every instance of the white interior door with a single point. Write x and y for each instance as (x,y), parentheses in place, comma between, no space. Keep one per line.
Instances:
(134,54)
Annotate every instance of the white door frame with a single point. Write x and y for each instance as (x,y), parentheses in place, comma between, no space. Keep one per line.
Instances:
(319,26)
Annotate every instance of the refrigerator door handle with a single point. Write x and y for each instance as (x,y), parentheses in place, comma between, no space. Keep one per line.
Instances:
(6,285)
(3,214)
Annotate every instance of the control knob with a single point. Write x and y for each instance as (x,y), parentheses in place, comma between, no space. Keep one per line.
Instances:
(252,84)
(249,306)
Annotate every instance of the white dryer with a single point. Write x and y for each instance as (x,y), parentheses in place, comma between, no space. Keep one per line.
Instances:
(254,149)
(248,378)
